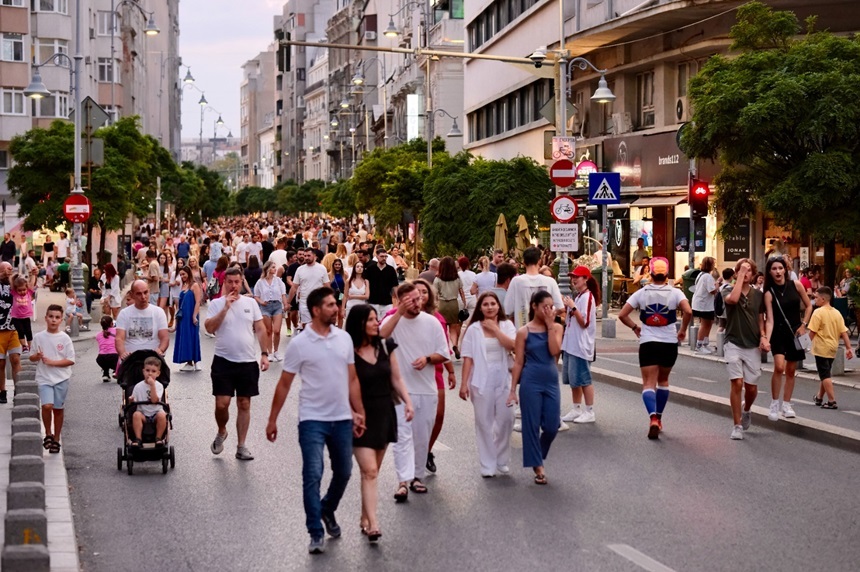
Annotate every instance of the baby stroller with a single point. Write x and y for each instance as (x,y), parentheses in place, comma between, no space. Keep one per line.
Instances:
(130,373)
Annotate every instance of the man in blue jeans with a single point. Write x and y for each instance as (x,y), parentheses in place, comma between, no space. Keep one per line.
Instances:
(330,410)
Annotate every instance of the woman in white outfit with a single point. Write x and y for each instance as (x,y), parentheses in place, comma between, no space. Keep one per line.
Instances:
(485,280)
(486,347)
(468,278)
(357,289)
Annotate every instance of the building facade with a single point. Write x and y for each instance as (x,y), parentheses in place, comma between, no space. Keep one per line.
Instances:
(257,114)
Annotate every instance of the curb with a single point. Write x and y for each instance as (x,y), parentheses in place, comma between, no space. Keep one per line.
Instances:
(815,431)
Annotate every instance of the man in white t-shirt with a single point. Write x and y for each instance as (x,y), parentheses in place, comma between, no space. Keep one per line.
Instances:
(62,248)
(330,410)
(239,324)
(254,248)
(279,255)
(142,326)
(524,286)
(421,344)
(242,251)
(307,279)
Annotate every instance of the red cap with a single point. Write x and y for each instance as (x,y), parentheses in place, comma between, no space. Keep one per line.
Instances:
(582,271)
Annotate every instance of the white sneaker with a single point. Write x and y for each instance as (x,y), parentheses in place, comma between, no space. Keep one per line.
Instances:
(586,417)
(573,414)
(773,414)
(187,367)
(746,420)
(275,357)
(788,410)
(518,427)
(704,350)
(563,427)
(737,433)
(197,366)
(503,469)
(518,414)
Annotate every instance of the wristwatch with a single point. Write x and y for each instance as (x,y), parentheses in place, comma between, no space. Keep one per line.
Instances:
(429,359)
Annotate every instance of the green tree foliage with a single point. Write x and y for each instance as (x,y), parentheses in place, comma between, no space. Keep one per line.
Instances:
(292,199)
(216,195)
(338,199)
(783,118)
(464,197)
(255,200)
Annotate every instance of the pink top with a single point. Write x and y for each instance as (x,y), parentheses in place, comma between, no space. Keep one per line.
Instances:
(107,344)
(22,306)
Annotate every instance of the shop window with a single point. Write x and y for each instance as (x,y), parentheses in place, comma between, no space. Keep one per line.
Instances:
(13,48)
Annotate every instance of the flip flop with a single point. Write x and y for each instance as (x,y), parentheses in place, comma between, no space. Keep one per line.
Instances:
(540,479)
(46,442)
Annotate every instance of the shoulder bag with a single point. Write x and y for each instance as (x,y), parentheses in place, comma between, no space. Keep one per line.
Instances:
(801,343)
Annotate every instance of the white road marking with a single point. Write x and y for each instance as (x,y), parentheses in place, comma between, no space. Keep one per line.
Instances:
(705,380)
(802,401)
(603,358)
(852,412)
(439,446)
(642,560)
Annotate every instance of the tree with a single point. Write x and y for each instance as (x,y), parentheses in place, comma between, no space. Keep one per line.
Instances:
(293,199)
(783,118)
(338,199)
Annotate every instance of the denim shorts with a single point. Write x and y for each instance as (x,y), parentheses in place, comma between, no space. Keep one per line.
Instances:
(55,394)
(575,371)
(272,309)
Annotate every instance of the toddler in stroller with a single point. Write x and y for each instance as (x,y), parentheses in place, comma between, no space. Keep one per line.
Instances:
(145,418)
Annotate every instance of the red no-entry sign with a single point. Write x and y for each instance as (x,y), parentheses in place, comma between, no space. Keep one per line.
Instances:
(76,208)
(562,173)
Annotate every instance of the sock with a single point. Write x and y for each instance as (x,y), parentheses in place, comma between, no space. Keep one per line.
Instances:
(650,399)
(706,342)
(589,408)
(662,399)
(698,344)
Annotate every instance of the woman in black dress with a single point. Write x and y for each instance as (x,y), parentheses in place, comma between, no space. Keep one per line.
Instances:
(376,367)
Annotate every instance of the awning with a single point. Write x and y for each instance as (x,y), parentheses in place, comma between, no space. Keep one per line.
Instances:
(648,202)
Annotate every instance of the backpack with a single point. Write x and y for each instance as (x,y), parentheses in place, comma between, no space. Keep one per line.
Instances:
(212,288)
(654,307)
(719,304)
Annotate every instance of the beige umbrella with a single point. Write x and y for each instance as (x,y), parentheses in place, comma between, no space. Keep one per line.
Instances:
(524,240)
(500,242)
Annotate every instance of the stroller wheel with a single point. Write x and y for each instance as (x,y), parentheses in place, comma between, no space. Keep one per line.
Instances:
(130,465)
(120,420)
(172,456)
(164,462)
(119,458)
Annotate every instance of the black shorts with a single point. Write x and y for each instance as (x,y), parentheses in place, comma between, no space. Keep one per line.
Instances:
(823,365)
(24,328)
(657,353)
(231,378)
(782,344)
(704,315)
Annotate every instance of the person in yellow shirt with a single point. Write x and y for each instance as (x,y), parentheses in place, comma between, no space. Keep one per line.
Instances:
(825,329)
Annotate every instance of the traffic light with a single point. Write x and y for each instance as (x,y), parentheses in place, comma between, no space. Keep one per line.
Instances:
(699,195)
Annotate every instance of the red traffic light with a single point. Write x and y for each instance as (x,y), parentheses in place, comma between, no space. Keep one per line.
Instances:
(700,193)
(701,189)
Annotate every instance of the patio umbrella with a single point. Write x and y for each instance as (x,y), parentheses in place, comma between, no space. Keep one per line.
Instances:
(524,240)
(500,242)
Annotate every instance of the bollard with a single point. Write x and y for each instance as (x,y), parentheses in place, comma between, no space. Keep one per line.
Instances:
(26,425)
(721,344)
(29,386)
(26,444)
(27,494)
(27,468)
(839,363)
(607,329)
(694,333)
(26,558)
(27,374)
(26,526)
(24,411)
(26,399)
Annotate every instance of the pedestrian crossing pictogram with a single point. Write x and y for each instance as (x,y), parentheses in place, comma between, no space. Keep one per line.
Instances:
(604,188)
(605,192)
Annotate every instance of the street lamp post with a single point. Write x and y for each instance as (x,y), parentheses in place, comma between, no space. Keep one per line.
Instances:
(358,79)
(150,30)
(188,79)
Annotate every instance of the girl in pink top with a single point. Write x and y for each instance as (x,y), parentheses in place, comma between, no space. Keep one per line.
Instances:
(22,309)
(106,339)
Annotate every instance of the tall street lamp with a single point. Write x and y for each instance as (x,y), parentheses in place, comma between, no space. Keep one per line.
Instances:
(358,80)
(151,29)
(188,79)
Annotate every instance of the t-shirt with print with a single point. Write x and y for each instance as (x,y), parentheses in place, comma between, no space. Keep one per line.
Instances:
(235,340)
(742,327)
(657,305)
(141,394)
(22,305)
(6,299)
(418,337)
(53,346)
(828,325)
(520,293)
(322,363)
(141,327)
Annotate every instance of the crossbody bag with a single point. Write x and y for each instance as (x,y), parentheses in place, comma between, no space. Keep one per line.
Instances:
(801,343)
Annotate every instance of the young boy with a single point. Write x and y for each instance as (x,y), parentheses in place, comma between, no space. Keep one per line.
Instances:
(73,309)
(148,393)
(54,351)
(825,329)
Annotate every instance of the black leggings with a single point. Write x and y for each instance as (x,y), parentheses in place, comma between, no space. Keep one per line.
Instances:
(107,362)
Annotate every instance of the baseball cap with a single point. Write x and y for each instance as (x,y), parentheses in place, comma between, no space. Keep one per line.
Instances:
(582,271)
(659,265)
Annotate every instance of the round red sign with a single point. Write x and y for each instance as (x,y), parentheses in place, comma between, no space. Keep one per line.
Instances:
(76,208)
(563,209)
(562,173)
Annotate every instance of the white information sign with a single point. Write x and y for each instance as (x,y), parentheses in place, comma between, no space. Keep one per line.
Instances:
(563,237)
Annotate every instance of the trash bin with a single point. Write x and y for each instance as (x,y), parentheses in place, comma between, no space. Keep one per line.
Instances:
(689,280)
(598,275)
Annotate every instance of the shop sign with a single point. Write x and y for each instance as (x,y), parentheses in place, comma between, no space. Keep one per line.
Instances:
(737,244)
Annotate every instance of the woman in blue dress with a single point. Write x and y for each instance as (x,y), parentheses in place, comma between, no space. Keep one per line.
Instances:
(536,348)
(186,347)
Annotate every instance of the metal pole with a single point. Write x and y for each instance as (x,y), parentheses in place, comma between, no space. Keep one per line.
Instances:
(200,155)
(384,106)
(76,274)
(113,21)
(158,205)
(561,68)
(692,253)
(605,274)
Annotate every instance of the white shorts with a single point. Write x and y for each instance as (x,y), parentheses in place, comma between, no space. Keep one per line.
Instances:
(743,363)
(304,313)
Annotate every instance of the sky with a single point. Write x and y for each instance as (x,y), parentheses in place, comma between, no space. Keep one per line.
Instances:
(215,38)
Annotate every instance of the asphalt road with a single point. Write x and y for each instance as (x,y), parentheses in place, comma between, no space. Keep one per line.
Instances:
(695,500)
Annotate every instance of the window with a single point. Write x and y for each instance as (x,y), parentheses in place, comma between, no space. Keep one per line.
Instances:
(645,99)
(4,159)
(12,102)
(112,111)
(19,3)
(107,22)
(60,6)
(55,105)
(108,73)
(44,48)
(13,48)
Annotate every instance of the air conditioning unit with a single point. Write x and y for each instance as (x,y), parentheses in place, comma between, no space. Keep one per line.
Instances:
(370,36)
(622,122)
(682,110)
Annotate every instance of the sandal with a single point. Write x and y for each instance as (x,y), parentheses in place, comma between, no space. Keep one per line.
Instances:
(829,405)
(402,493)
(817,400)
(46,442)
(417,487)
(540,479)
(54,448)
(136,443)
(373,536)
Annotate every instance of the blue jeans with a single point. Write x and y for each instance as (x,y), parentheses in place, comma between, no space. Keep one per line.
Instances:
(314,436)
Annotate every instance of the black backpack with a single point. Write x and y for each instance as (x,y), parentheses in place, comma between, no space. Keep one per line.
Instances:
(719,304)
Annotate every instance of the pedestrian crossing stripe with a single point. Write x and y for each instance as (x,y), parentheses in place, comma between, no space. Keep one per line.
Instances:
(604,192)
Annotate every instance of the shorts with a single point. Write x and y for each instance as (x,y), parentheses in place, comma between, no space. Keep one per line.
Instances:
(661,354)
(153,298)
(232,378)
(304,313)
(272,309)
(9,343)
(782,344)
(704,315)
(743,363)
(113,301)
(824,365)
(54,394)
(575,371)
(24,328)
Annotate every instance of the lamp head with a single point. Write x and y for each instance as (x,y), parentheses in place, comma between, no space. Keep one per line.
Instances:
(151,29)
(391,31)
(455,130)
(358,78)
(203,101)
(603,94)
(188,77)
(219,121)
(352,130)
(334,122)
(538,57)
(344,104)
(36,89)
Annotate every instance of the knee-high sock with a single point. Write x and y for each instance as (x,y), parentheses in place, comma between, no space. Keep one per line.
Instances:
(662,399)
(650,399)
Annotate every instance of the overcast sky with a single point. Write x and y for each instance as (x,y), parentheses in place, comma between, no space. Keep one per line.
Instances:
(215,38)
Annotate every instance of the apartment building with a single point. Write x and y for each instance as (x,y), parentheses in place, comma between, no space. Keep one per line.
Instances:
(651,49)
(316,124)
(257,113)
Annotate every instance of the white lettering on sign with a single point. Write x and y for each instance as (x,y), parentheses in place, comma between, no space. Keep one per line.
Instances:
(78,209)
(669,160)
(563,237)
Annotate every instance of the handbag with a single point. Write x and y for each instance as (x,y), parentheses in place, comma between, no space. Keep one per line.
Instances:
(801,343)
(463,315)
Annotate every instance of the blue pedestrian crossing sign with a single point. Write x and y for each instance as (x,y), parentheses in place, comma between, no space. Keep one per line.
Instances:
(604,188)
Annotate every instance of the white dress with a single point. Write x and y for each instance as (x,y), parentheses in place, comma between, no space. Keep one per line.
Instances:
(355,291)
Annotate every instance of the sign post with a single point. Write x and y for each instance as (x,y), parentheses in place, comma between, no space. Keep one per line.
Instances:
(605,189)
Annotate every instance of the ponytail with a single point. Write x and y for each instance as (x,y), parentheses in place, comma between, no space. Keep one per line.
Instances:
(592,286)
(106,322)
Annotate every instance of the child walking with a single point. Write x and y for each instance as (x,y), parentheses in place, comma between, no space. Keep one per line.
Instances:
(106,339)
(73,309)
(825,329)
(55,354)
(22,309)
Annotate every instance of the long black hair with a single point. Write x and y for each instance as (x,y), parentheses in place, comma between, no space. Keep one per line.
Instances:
(537,299)
(768,279)
(356,325)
